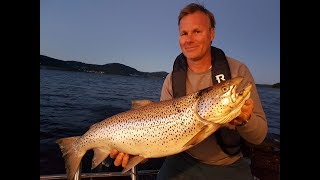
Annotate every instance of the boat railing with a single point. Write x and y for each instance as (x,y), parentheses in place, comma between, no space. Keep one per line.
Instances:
(79,175)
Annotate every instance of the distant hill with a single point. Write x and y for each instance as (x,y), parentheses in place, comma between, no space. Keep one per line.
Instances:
(111,68)
(277,85)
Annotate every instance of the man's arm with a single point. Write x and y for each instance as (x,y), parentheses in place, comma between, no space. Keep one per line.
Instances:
(256,129)
(166,91)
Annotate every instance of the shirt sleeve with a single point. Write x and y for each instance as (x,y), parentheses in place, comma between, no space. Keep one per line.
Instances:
(256,129)
(166,91)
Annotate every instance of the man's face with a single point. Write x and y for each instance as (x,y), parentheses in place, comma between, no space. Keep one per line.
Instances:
(195,36)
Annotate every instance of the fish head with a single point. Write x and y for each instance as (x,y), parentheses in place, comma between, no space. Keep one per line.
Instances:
(222,102)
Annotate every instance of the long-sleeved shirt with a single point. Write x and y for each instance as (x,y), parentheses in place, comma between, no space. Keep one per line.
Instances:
(255,131)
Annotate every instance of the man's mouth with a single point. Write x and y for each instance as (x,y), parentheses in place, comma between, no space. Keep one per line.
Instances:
(191,48)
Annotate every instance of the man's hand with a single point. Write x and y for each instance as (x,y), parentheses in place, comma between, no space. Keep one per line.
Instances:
(121,158)
(245,114)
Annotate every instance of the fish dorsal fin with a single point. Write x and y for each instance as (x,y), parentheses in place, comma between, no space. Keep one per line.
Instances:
(92,126)
(132,162)
(139,103)
(100,154)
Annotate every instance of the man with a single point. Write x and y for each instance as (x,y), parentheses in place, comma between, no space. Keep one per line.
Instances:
(199,66)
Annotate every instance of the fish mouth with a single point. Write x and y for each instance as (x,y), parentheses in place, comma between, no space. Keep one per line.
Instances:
(245,91)
(239,99)
(242,95)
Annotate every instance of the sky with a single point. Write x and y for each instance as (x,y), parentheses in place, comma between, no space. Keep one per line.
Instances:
(143,34)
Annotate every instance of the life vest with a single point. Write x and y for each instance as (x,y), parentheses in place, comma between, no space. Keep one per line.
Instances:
(229,140)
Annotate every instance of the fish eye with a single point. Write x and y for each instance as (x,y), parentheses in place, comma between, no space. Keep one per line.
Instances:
(225,88)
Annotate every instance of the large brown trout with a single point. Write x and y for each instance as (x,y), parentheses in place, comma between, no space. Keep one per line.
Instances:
(157,129)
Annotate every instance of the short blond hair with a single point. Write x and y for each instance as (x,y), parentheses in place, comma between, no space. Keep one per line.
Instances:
(194,7)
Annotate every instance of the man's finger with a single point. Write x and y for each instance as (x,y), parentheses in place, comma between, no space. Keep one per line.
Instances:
(113,153)
(125,160)
(249,101)
(118,159)
(243,116)
(234,121)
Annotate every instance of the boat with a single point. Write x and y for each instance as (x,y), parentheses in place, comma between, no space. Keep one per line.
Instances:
(264,162)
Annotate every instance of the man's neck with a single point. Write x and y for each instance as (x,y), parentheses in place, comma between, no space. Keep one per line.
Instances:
(200,66)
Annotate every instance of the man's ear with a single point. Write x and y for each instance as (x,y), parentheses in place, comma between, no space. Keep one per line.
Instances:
(212,33)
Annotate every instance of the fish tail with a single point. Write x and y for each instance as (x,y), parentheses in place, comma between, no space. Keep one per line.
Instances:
(71,156)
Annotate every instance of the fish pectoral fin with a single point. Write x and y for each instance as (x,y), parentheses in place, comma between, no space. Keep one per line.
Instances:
(139,103)
(201,135)
(100,154)
(132,162)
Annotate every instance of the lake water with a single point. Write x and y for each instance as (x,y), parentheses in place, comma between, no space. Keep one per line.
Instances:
(72,101)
